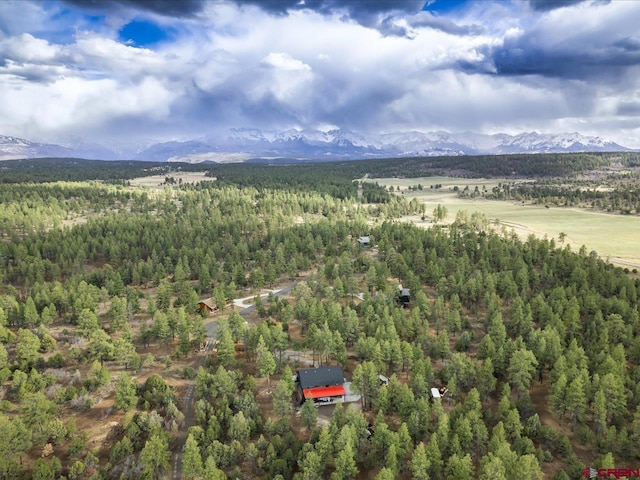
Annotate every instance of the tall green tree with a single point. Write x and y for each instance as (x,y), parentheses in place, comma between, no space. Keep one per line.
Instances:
(366,383)
(460,468)
(386,474)
(283,396)
(163,295)
(30,315)
(211,470)
(27,346)
(226,350)
(155,455)
(522,367)
(492,469)
(4,364)
(101,347)
(613,386)
(239,428)
(311,465)
(434,458)
(576,401)
(191,459)
(309,414)
(439,213)
(15,440)
(599,410)
(118,313)
(266,362)
(88,323)
(558,396)
(419,463)
(44,470)
(345,464)
(126,397)
(220,298)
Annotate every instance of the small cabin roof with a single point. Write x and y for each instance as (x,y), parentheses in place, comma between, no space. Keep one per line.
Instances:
(208,302)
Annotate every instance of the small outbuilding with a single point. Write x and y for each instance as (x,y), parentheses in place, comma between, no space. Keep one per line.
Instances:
(364,241)
(207,305)
(438,392)
(404,296)
(322,384)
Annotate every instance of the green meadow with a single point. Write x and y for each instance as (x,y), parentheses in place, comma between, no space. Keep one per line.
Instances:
(613,237)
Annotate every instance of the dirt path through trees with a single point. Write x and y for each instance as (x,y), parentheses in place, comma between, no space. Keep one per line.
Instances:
(189,421)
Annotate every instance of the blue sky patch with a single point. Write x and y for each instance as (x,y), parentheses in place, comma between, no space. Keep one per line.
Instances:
(444,6)
(142,33)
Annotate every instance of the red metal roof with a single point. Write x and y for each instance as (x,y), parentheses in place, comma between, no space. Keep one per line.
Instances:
(321,392)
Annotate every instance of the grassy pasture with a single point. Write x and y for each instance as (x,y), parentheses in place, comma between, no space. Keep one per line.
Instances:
(157,181)
(613,237)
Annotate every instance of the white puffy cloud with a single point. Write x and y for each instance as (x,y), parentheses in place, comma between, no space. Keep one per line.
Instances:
(27,47)
(116,60)
(284,61)
(73,103)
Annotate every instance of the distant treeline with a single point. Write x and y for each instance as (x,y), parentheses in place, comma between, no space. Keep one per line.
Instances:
(77,170)
(518,166)
(622,198)
(338,174)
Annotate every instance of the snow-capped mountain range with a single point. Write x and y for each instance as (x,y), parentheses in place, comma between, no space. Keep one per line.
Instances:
(14,148)
(241,144)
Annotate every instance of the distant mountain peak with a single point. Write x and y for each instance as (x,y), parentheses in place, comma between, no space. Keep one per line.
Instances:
(13,148)
(238,144)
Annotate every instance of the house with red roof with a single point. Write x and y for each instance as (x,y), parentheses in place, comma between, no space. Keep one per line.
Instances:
(323,384)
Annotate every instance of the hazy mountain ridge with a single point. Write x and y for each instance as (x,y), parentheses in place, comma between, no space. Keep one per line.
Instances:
(240,144)
(12,148)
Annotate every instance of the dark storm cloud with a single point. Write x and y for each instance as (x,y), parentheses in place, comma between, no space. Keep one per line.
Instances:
(356,7)
(203,111)
(605,62)
(466,66)
(361,110)
(377,14)
(427,19)
(43,74)
(389,28)
(628,44)
(173,8)
(587,54)
(330,98)
(631,109)
(581,43)
(545,5)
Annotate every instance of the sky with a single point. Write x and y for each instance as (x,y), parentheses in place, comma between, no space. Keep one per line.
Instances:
(142,71)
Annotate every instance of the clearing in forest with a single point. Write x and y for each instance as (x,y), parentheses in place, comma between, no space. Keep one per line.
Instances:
(613,237)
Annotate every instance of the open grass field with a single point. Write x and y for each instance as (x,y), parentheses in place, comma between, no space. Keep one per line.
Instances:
(613,237)
(158,181)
